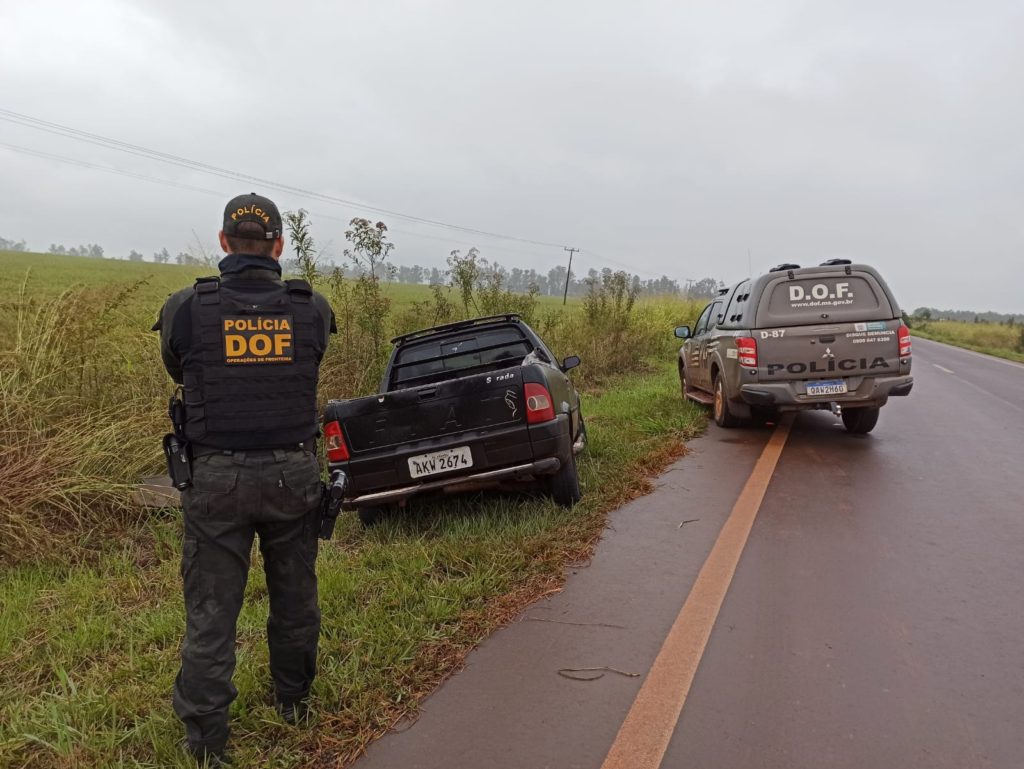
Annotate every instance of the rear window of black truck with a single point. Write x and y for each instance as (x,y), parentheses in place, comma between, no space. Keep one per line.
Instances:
(434,360)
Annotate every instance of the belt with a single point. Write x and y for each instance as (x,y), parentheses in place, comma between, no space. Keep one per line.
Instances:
(199,450)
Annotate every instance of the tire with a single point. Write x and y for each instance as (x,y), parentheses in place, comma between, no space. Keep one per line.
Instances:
(722,413)
(369,516)
(564,486)
(861,421)
(682,383)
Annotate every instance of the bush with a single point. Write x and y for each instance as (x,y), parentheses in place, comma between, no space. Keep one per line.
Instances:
(614,333)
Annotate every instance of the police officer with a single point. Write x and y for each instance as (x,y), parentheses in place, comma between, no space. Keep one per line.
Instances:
(245,347)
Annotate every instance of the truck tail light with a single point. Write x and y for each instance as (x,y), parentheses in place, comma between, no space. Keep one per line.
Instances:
(747,348)
(538,404)
(904,335)
(337,451)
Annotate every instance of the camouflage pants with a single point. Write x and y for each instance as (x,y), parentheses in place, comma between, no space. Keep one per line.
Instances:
(234,497)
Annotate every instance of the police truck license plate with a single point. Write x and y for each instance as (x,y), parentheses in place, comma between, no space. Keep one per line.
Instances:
(440,461)
(828,387)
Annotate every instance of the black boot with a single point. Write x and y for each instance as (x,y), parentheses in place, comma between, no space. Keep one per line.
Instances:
(208,757)
(294,712)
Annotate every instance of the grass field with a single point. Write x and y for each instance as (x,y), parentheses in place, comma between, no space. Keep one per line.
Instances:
(49,274)
(91,612)
(990,338)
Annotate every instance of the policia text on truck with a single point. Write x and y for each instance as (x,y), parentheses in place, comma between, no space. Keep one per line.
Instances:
(245,349)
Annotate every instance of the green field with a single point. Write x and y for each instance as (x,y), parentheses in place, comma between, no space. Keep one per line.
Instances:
(49,274)
(90,599)
(990,338)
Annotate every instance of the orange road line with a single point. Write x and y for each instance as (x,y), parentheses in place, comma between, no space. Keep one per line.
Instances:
(651,721)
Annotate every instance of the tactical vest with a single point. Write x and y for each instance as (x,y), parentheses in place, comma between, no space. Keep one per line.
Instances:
(250,374)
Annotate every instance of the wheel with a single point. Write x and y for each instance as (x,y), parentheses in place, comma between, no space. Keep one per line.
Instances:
(564,486)
(682,382)
(861,421)
(368,516)
(723,415)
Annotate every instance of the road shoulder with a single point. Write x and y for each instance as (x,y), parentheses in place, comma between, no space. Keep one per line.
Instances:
(510,707)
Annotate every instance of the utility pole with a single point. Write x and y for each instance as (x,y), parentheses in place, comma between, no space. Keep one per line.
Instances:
(568,273)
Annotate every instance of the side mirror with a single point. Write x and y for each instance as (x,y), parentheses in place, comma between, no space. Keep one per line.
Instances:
(571,362)
(683,332)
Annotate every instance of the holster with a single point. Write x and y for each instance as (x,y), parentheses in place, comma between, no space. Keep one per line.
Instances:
(333,496)
(179,461)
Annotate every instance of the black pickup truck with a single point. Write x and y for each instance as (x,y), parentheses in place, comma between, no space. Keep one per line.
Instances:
(467,405)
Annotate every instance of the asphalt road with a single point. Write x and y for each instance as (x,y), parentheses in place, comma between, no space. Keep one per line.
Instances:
(874,618)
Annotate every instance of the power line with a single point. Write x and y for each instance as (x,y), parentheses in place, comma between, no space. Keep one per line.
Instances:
(93,166)
(177,160)
(221,193)
(28,151)
(628,267)
(194,165)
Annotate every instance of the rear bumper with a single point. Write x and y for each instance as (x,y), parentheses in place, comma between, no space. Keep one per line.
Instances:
(460,483)
(506,454)
(869,391)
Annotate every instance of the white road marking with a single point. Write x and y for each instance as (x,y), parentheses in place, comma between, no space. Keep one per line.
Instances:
(943,368)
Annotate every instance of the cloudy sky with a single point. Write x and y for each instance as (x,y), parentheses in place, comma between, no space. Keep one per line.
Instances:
(674,137)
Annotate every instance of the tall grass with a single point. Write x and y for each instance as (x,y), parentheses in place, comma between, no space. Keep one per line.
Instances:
(82,402)
(996,339)
(84,390)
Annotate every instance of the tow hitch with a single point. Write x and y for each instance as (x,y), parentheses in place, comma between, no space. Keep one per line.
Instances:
(837,410)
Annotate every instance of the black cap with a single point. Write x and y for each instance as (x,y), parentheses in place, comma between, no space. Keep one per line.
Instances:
(252,208)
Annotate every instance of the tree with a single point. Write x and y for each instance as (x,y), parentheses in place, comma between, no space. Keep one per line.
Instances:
(556,280)
(412,274)
(370,246)
(12,245)
(306,255)
(704,288)
(135,256)
(464,272)
(162,256)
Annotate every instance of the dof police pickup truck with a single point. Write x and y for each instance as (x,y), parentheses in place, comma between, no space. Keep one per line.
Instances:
(825,337)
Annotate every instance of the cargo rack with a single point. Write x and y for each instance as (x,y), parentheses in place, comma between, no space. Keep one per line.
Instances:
(459,324)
